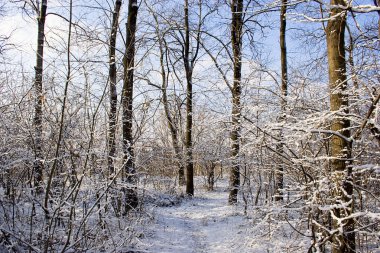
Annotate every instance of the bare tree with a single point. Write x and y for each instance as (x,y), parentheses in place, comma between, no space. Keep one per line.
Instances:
(236,41)
(284,93)
(62,116)
(131,200)
(113,91)
(39,97)
(162,32)
(171,122)
(189,63)
(189,107)
(343,242)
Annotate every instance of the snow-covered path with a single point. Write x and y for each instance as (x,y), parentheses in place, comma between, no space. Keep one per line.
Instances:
(202,224)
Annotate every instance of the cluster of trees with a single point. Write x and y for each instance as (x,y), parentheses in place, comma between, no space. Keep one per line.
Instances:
(187,88)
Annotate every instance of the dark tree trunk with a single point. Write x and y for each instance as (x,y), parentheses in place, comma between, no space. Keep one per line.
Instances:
(236,41)
(189,62)
(131,200)
(189,107)
(340,149)
(113,92)
(38,165)
(284,93)
(210,176)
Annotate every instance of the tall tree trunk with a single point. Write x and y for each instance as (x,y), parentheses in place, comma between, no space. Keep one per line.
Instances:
(236,41)
(340,149)
(131,200)
(113,91)
(189,107)
(284,93)
(38,165)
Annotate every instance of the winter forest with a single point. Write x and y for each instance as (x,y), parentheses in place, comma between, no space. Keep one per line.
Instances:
(190,126)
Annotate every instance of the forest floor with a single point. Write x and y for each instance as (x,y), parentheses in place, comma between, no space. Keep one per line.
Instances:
(206,223)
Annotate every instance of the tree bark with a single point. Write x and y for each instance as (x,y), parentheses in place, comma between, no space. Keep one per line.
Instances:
(340,149)
(189,107)
(131,199)
(38,166)
(236,41)
(284,93)
(113,91)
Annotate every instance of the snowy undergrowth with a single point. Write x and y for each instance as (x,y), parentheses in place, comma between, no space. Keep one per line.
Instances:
(89,222)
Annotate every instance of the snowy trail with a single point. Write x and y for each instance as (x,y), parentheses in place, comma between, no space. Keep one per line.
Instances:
(202,224)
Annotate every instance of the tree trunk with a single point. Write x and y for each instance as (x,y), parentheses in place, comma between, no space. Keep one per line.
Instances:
(113,92)
(189,107)
(236,41)
(38,165)
(284,93)
(340,149)
(131,200)
(210,175)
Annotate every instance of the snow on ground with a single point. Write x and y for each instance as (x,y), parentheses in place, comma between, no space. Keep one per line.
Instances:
(202,224)
(206,223)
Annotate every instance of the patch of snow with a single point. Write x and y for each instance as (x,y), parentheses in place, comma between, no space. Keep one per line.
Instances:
(207,224)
